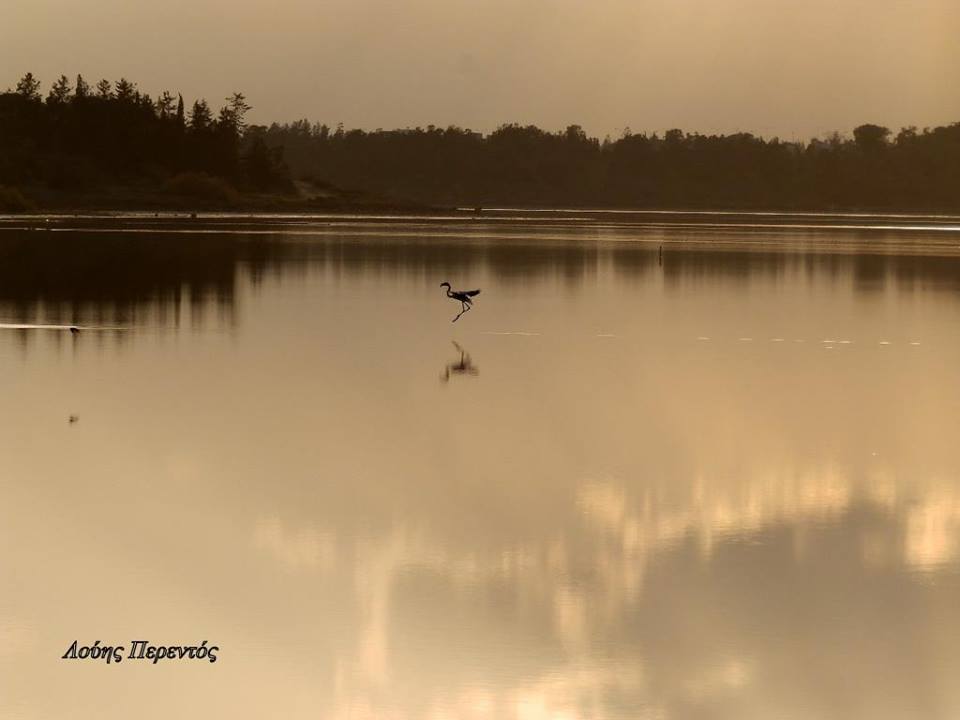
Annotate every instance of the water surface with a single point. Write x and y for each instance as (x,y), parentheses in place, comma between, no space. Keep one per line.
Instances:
(681,468)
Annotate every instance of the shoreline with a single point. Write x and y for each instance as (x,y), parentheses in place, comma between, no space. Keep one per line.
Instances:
(642,217)
(660,231)
(136,202)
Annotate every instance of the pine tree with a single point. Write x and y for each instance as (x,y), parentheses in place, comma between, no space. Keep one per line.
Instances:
(165,105)
(126,90)
(226,120)
(238,107)
(60,91)
(29,87)
(104,89)
(83,89)
(200,117)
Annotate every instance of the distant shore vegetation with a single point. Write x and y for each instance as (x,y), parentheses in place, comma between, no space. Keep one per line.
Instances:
(526,166)
(111,137)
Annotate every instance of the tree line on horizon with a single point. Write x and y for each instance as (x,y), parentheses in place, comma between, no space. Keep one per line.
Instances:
(525,165)
(112,135)
(82,137)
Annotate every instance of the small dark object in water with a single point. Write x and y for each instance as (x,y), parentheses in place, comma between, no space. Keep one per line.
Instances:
(477,210)
(73,419)
(74,330)
(193,215)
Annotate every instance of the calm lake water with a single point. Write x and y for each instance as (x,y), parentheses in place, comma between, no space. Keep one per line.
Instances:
(721,481)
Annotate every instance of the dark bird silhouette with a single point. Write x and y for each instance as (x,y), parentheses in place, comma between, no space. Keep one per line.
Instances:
(463,296)
(74,329)
(72,419)
(465,365)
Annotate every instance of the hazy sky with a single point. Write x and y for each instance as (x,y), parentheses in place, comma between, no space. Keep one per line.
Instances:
(774,67)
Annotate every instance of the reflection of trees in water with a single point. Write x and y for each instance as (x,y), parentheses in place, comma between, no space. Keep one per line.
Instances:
(573,260)
(120,278)
(117,278)
(865,271)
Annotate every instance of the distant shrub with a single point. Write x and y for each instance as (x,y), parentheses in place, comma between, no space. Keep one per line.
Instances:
(70,172)
(318,183)
(203,188)
(13,201)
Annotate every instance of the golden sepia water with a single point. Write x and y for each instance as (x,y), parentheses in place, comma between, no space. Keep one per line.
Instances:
(707,469)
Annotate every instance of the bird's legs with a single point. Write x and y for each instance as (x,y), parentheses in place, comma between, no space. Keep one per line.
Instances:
(464,307)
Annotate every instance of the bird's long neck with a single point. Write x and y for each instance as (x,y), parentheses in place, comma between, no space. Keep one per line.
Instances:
(449,293)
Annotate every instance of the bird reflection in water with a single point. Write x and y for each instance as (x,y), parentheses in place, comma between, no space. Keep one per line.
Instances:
(464,366)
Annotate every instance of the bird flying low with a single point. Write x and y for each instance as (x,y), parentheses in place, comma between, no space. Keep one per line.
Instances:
(463,296)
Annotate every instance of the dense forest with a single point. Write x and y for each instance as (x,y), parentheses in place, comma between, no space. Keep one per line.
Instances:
(111,136)
(516,165)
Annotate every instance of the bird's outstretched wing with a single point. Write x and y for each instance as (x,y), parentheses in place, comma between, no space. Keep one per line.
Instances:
(471,293)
